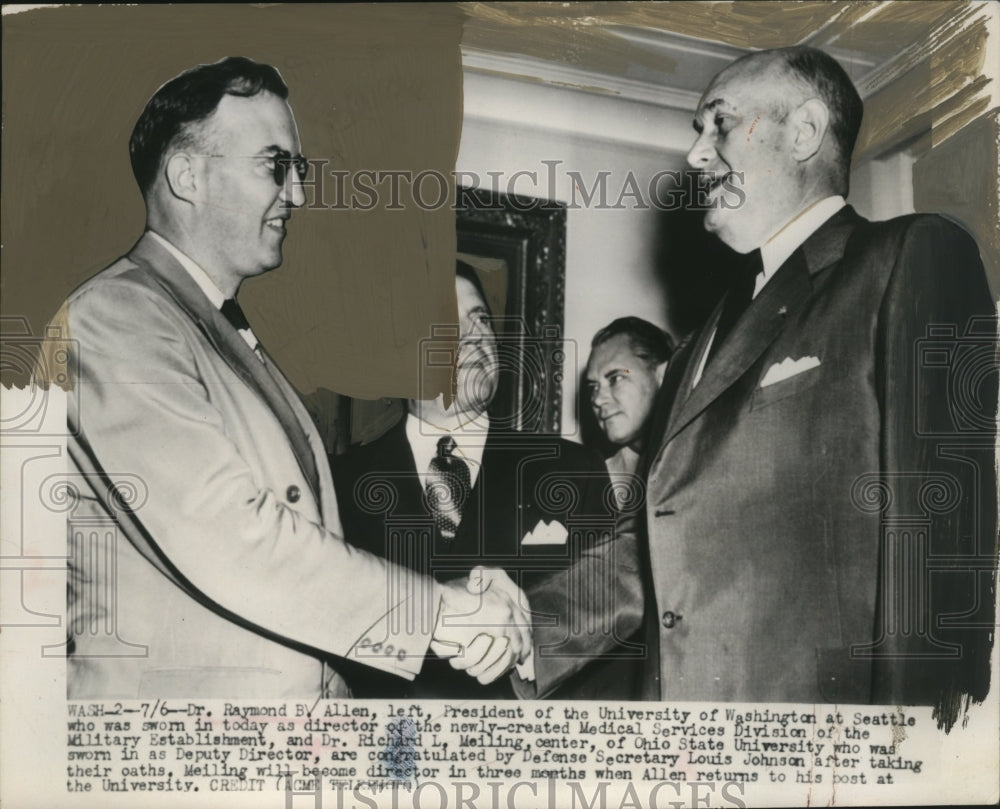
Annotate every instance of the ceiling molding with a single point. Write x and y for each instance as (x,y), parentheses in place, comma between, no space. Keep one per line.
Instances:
(536,105)
(529,69)
(670,42)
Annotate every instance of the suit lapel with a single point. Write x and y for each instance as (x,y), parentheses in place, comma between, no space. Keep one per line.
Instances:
(392,455)
(762,322)
(492,503)
(682,383)
(670,396)
(230,346)
(321,471)
(786,293)
(829,243)
(397,455)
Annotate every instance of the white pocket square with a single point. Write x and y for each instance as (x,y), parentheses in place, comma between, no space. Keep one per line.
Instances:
(553,533)
(787,368)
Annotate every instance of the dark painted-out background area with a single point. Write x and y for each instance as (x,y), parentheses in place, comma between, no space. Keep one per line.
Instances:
(376,87)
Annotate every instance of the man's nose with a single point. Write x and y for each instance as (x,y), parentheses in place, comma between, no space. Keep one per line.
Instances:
(469,346)
(701,152)
(292,192)
(599,397)
(483,331)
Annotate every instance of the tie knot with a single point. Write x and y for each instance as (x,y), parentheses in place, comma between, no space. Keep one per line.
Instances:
(446,446)
(232,312)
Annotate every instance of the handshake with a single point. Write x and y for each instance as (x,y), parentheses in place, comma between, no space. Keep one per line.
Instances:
(484,626)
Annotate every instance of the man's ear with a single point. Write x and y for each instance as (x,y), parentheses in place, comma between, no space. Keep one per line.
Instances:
(182,176)
(661,369)
(810,122)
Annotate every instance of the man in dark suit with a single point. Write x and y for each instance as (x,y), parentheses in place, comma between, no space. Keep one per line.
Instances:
(445,491)
(233,579)
(820,506)
(628,358)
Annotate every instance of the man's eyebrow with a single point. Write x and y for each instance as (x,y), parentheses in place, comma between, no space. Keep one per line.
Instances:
(273,149)
(618,369)
(712,105)
(706,109)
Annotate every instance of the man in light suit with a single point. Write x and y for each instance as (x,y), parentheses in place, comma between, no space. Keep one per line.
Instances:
(232,579)
(526,503)
(820,507)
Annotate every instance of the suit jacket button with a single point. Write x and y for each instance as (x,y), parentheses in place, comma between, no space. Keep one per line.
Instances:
(669,619)
(293,494)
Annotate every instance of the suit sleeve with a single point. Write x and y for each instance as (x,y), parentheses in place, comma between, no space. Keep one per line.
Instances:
(597,599)
(936,376)
(213,528)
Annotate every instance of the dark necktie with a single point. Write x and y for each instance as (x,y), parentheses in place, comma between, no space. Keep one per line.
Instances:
(448,486)
(232,312)
(738,298)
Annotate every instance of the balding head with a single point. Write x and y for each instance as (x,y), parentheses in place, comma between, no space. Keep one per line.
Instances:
(779,127)
(800,73)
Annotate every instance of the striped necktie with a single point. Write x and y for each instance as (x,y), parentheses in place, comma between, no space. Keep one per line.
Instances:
(448,486)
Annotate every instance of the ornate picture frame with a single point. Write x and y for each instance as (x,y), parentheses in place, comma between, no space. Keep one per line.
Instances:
(525,239)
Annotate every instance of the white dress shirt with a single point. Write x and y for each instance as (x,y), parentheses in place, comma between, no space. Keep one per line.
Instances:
(776,250)
(206,285)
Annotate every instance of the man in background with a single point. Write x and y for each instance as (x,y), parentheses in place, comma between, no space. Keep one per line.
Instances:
(628,358)
(233,579)
(447,490)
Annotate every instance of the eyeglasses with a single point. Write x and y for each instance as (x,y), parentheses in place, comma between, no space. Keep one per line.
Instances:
(279,163)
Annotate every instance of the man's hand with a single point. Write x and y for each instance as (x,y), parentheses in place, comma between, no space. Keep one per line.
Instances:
(483,625)
(483,578)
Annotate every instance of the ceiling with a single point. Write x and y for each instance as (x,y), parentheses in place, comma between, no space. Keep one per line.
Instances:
(666,52)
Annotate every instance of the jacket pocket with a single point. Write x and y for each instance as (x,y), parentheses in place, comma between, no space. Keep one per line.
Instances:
(775,392)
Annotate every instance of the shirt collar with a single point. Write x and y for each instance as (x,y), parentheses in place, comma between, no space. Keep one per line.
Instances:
(779,247)
(198,275)
(470,439)
(782,244)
